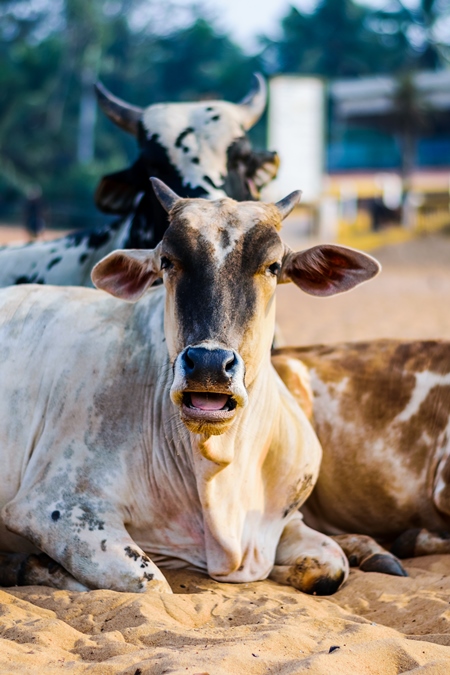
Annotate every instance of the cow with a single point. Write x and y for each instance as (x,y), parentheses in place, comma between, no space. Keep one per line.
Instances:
(144,427)
(198,149)
(381,410)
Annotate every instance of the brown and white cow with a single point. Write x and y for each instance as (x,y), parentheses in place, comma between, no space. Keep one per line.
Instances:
(381,410)
(155,432)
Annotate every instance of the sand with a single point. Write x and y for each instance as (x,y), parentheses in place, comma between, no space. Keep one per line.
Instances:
(375,624)
(410,299)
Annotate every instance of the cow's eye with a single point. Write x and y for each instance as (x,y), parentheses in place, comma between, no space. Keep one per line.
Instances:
(166,264)
(274,268)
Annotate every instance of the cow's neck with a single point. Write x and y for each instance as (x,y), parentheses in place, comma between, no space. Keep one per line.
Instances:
(149,219)
(232,487)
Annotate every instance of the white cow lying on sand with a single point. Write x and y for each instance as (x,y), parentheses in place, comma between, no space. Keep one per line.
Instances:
(138,436)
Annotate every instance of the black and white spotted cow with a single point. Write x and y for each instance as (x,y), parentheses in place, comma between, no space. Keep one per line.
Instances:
(198,149)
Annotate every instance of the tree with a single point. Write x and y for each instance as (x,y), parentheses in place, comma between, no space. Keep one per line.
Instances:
(343,39)
(50,55)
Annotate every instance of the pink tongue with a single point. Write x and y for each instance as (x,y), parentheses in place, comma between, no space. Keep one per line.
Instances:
(208,401)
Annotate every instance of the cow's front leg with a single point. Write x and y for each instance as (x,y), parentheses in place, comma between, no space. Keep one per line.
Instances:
(90,541)
(30,569)
(308,560)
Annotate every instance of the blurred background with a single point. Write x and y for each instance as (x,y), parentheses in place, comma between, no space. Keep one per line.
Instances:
(359,112)
(359,98)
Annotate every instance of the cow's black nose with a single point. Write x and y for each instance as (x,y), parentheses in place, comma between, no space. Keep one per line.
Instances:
(206,365)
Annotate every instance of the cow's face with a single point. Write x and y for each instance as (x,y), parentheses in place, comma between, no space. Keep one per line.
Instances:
(199,149)
(221,262)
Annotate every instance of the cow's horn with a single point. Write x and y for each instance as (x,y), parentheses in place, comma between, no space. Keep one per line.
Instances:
(286,205)
(253,105)
(123,114)
(166,197)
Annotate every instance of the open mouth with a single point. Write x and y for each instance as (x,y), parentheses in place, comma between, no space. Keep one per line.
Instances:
(208,405)
(252,188)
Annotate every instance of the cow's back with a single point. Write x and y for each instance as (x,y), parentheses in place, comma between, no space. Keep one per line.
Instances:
(382,414)
(66,261)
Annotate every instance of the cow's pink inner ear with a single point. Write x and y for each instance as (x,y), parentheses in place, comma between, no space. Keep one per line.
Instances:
(124,276)
(328,269)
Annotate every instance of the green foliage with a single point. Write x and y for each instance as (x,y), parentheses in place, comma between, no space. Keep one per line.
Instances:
(343,39)
(49,60)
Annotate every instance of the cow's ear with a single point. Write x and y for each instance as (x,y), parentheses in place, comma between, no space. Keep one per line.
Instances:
(115,194)
(328,269)
(127,274)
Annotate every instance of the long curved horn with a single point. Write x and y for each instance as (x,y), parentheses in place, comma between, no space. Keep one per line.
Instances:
(123,114)
(286,205)
(253,105)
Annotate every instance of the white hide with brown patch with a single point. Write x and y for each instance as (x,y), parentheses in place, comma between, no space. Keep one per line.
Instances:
(381,410)
(110,467)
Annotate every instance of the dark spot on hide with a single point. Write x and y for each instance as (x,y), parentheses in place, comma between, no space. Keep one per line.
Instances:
(148,576)
(195,160)
(89,520)
(182,136)
(76,238)
(215,118)
(103,544)
(224,238)
(83,258)
(209,108)
(132,553)
(33,279)
(98,239)
(56,515)
(208,180)
(53,262)
(420,355)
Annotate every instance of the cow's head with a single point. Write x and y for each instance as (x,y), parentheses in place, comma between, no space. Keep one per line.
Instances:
(221,262)
(199,149)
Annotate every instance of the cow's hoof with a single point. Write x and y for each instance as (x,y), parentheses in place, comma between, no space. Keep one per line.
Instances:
(315,581)
(383,563)
(325,585)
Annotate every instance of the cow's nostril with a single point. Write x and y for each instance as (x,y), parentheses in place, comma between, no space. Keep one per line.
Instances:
(230,363)
(190,363)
